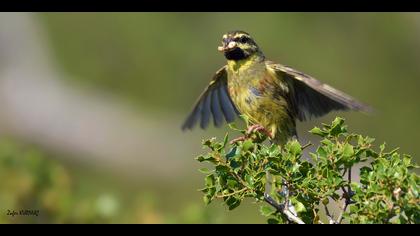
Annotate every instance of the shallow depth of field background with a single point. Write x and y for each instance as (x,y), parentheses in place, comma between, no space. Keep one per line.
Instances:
(91,104)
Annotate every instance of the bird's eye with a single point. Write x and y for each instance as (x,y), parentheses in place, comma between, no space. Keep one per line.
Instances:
(243,39)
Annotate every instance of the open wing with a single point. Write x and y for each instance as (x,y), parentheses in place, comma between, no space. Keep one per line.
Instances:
(313,98)
(213,102)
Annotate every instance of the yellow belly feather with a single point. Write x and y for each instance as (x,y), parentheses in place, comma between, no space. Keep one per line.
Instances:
(257,93)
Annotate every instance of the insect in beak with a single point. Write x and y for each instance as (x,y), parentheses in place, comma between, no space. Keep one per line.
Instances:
(231,45)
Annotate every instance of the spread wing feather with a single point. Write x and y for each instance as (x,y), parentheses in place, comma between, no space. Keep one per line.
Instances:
(214,102)
(313,98)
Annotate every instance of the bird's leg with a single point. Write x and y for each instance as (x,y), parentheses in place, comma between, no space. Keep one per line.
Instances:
(251,129)
(242,138)
(257,127)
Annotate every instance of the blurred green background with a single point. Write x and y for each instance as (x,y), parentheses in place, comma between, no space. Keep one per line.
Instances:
(156,64)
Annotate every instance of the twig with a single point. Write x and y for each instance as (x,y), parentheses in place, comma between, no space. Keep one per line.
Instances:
(281,208)
(237,177)
(330,217)
(343,209)
(273,203)
(286,195)
(344,172)
(349,180)
(347,194)
(344,191)
(292,217)
(306,145)
(230,194)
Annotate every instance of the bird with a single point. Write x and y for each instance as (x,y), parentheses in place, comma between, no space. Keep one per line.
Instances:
(271,95)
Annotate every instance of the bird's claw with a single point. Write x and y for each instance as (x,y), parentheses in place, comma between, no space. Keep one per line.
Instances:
(242,138)
(256,128)
(251,129)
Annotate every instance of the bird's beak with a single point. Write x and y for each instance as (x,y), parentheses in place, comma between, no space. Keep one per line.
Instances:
(231,45)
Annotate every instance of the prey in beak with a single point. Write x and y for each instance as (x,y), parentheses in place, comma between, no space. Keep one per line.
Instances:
(237,46)
(225,48)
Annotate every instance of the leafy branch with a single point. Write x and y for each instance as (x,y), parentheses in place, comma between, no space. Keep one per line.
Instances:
(297,187)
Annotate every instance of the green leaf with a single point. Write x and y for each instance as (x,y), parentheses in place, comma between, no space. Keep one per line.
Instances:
(247,145)
(233,203)
(337,127)
(382,147)
(322,153)
(295,148)
(360,140)
(245,118)
(318,131)
(206,158)
(354,208)
(406,160)
(267,211)
(225,139)
(313,156)
(235,165)
(211,192)
(273,221)
(260,175)
(209,142)
(295,167)
(204,170)
(200,158)
(365,170)
(369,140)
(299,207)
(203,190)
(231,153)
(232,183)
(210,180)
(232,126)
(206,199)
(274,150)
(222,169)
(249,180)
(338,121)
(348,150)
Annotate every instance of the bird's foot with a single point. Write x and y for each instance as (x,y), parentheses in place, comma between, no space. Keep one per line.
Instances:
(252,129)
(242,138)
(258,128)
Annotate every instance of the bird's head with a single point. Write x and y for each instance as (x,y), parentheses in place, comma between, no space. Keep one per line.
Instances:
(238,45)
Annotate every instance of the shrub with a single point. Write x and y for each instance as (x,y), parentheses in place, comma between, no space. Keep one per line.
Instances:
(297,188)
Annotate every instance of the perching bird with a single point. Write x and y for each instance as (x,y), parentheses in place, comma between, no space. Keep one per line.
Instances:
(271,95)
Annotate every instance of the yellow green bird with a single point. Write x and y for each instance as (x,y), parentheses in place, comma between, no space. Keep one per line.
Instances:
(271,95)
